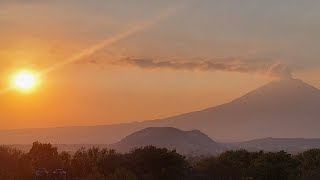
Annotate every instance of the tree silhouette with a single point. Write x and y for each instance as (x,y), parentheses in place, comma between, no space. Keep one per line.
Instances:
(44,155)
(157,163)
(310,164)
(151,163)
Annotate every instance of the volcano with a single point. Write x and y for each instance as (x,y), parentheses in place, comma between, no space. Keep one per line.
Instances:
(282,108)
(286,108)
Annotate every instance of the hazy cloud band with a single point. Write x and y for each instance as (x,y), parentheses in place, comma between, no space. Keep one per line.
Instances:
(228,65)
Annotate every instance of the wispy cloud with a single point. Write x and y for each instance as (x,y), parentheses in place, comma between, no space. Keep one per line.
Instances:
(200,65)
(262,66)
(226,64)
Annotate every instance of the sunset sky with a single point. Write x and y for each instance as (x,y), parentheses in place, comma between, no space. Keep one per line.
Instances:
(112,61)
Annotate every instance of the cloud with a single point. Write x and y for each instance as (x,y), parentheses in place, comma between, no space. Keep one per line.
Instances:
(270,68)
(266,66)
(181,65)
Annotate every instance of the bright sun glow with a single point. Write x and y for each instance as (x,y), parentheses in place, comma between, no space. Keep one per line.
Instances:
(25,81)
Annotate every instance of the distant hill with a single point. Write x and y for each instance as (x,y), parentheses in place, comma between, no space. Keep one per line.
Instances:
(191,143)
(291,145)
(185,142)
(283,108)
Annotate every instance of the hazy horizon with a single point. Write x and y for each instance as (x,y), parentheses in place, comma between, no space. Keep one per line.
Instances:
(111,62)
(165,117)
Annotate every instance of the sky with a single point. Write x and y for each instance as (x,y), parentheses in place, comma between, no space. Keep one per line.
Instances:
(115,61)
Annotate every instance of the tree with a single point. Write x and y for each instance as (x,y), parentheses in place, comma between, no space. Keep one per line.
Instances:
(65,161)
(109,161)
(44,155)
(13,164)
(157,163)
(231,164)
(84,163)
(310,164)
(278,166)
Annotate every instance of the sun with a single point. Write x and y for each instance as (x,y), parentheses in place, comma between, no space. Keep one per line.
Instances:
(25,81)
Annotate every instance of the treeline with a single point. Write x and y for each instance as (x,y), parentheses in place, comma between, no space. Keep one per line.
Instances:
(151,163)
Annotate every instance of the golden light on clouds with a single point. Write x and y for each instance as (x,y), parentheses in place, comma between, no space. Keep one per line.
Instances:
(25,81)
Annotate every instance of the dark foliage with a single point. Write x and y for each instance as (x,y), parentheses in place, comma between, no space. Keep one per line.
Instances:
(151,163)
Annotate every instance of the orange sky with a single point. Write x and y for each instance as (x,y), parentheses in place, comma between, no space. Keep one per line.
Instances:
(99,90)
